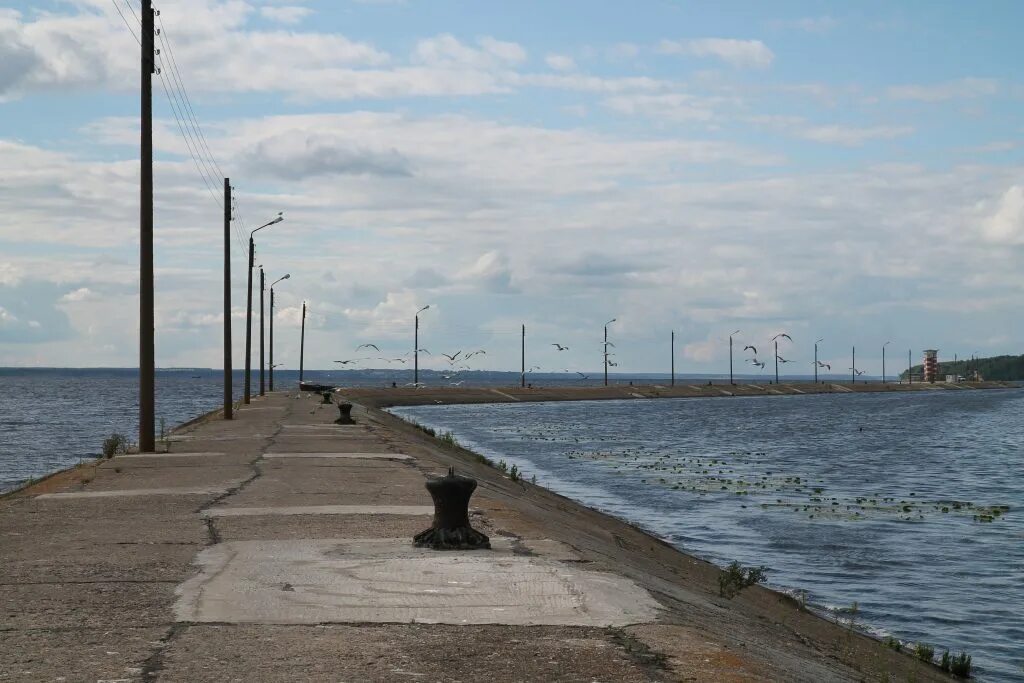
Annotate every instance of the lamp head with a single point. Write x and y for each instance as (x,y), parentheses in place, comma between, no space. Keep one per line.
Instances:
(286,276)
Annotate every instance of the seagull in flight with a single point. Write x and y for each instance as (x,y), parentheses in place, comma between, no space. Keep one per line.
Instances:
(369,346)
(457,384)
(581,374)
(560,347)
(782,334)
(612,364)
(783,360)
(824,365)
(474,353)
(396,360)
(857,372)
(451,358)
(346,362)
(755,361)
(752,348)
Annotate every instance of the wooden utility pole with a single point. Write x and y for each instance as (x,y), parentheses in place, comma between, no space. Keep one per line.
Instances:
(302,341)
(147,355)
(263,288)
(522,360)
(227,300)
(248,324)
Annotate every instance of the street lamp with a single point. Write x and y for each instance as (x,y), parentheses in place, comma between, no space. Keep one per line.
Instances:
(883,360)
(730,357)
(606,349)
(287,275)
(416,347)
(816,358)
(248,310)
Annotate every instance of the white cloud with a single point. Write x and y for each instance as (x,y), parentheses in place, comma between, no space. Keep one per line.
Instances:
(560,62)
(822,24)
(670,106)
(739,53)
(80,294)
(852,136)
(288,14)
(1006,224)
(964,88)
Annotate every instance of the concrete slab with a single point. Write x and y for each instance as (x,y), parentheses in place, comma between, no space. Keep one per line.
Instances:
(288,527)
(157,456)
(107,654)
(205,490)
(389,581)
(404,652)
(342,456)
(321,510)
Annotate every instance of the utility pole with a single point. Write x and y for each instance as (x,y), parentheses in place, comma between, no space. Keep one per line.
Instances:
(853,370)
(416,346)
(883,361)
(271,338)
(263,288)
(815,362)
(147,354)
(606,355)
(302,341)
(910,367)
(522,359)
(248,323)
(672,350)
(227,300)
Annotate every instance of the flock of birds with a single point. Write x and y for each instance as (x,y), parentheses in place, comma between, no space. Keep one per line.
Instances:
(782,335)
(458,361)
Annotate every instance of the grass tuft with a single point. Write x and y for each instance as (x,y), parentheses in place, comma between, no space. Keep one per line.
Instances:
(735,578)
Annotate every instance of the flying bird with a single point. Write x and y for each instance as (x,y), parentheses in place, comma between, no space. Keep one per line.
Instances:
(457,384)
(824,365)
(581,374)
(559,347)
(451,358)
(752,348)
(756,362)
(368,346)
(783,360)
(857,372)
(612,364)
(346,362)
(782,334)
(474,353)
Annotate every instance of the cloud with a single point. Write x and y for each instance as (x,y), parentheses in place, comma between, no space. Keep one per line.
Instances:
(80,294)
(669,106)
(852,136)
(738,53)
(964,88)
(1006,225)
(296,155)
(448,51)
(288,14)
(490,272)
(560,62)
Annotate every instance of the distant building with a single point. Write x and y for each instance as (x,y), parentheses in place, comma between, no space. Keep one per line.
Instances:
(931,365)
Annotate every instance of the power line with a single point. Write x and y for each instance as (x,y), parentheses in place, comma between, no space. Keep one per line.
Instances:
(125,20)
(188,102)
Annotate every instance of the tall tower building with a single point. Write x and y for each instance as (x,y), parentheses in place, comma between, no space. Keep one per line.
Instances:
(931,365)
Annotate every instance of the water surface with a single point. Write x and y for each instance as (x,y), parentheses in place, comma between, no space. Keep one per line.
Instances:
(908,504)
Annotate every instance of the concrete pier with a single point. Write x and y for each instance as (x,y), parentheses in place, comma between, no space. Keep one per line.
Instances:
(277,547)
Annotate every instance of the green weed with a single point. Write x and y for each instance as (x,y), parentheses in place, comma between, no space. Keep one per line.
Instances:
(924,652)
(115,444)
(735,578)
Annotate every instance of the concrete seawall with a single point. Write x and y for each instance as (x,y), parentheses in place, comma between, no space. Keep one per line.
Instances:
(277,547)
(407,396)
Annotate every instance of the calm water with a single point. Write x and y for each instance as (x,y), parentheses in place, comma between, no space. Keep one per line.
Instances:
(910,505)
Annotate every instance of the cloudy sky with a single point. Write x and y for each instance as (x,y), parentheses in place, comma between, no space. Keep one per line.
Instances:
(827,169)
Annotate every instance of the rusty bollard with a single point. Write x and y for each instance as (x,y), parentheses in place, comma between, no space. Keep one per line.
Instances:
(326,399)
(451,529)
(345,414)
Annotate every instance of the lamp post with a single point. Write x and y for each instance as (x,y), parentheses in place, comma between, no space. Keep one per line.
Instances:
(672,351)
(910,366)
(883,360)
(730,361)
(286,276)
(416,347)
(816,358)
(248,310)
(853,368)
(302,342)
(606,349)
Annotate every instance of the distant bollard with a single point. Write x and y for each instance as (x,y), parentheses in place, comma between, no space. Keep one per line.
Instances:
(345,414)
(451,529)
(327,398)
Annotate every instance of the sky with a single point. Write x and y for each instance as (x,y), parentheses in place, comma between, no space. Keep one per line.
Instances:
(844,171)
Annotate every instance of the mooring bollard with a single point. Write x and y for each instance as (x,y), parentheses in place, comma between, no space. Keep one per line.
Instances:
(345,414)
(327,398)
(451,529)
